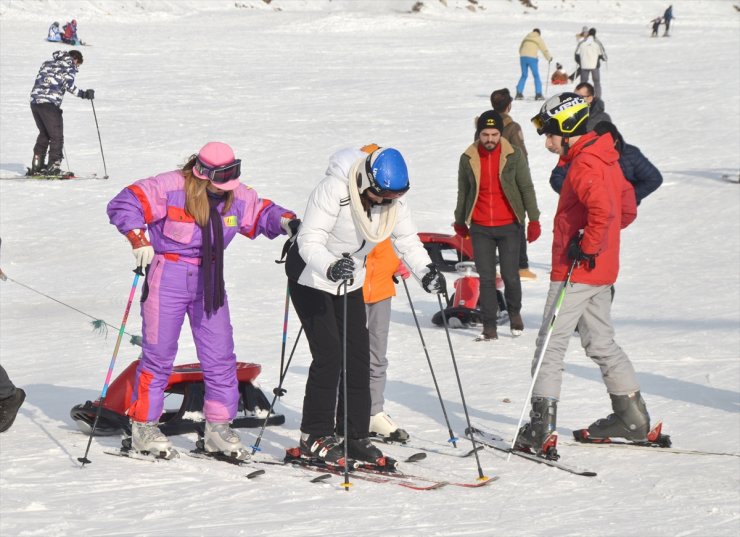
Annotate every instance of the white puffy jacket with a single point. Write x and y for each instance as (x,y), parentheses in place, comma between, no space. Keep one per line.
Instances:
(328,230)
(589,52)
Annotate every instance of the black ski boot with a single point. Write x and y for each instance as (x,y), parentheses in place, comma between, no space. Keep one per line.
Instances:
(38,166)
(540,436)
(328,449)
(362,449)
(630,420)
(54,168)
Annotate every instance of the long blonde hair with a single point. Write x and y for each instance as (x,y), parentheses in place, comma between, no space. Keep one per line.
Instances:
(196,197)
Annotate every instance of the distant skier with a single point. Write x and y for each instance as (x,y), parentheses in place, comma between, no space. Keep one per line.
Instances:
(55,78)
(667,18)
(54,34)
(595,203)
(192,215)
(589,55)
(69,33)
(656,26)
(531,44)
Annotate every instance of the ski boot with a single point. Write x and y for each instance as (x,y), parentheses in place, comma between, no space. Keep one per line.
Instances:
(540,436)
(539,97)
(221,438)
(38,166)
(328,449)
(362,449)
(518,97)
(54,168)
(630,420)
(9,408)
(383,426)
(147,438)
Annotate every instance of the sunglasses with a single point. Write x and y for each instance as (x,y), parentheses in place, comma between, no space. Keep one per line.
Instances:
(219,174)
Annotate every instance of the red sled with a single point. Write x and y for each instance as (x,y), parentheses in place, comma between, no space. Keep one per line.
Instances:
(446,251)
(185,382)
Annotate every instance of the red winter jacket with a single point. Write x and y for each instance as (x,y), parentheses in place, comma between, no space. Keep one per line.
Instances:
(597,199)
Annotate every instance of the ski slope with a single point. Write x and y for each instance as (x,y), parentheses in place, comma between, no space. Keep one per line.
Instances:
(286,83)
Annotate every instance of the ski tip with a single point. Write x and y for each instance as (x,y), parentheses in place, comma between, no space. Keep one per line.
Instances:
(321,478)
(252,475)
(416,457)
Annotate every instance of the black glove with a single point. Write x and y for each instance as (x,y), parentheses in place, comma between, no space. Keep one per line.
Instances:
(575,252)
(342,269)
(434,281)
(88,94)
(293,225)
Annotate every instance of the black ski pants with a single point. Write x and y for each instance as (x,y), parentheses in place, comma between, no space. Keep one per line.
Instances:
(322,317)
(486,240)
(48,118)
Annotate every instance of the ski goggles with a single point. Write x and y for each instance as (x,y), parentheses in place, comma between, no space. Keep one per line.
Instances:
(219,174)
(566,120)
(384,193)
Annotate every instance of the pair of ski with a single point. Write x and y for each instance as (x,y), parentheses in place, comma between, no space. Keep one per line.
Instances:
(63,176)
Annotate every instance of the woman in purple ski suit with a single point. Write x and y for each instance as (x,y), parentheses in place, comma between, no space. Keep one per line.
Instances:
(177,207)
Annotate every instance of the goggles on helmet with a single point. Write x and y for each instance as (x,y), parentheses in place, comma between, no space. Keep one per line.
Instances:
(559,120)
(219,174)
(384,193)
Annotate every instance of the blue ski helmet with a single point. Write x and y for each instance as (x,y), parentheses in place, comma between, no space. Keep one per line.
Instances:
(384,173)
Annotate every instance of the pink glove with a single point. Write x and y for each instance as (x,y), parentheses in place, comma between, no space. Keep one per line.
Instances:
(402,271)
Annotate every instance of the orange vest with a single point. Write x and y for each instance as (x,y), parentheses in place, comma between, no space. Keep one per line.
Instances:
(380,265)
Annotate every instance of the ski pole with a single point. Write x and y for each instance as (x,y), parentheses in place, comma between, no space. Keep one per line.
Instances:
(138,272)
(453,439)
(481,476)
(92,102)
(346,483)
(66,158)
(285,331)
(276,392)
(547,80)
(553,316)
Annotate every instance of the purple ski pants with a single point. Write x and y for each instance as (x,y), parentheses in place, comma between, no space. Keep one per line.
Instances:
(176,289)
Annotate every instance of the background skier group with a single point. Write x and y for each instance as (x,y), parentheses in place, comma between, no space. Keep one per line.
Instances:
(343,254)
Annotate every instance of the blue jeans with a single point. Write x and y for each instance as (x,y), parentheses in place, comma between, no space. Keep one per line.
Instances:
(529,63)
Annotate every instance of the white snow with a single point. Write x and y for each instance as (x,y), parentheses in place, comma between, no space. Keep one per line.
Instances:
(286,84)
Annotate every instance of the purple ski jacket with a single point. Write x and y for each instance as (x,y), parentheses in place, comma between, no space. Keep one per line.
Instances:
(158,203)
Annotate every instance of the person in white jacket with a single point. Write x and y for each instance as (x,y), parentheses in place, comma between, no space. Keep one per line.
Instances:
(358,204)
(589,55)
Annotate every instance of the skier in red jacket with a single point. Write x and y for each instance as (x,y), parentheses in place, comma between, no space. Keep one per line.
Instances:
(596,203)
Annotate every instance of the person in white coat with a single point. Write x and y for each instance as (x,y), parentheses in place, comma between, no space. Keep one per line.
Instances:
(358,204)
(589,55)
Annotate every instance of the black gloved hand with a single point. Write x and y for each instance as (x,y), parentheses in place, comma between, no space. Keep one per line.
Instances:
(341,269)
(575,252)
(88,94)
(293,226)
(434,281)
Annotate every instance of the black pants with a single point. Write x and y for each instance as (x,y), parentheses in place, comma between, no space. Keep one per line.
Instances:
(322,317)
(48,118)
(485,242)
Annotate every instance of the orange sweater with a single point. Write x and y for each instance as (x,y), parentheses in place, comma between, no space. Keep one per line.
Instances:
(380,266)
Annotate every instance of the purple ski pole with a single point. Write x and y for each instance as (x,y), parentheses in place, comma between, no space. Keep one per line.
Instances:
(138,272)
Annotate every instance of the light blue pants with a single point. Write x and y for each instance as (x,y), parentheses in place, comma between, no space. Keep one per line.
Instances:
(529,63)
(589,308)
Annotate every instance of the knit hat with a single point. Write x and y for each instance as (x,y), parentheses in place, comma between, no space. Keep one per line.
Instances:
(490,119)
(501,99)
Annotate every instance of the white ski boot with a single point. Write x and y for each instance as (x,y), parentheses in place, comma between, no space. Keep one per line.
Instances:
(220,437)
(382,425)
(147,438)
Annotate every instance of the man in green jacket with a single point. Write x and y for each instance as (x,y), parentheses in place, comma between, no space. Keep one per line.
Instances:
(494,191)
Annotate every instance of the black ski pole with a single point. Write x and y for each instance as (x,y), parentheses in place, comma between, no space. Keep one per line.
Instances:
(138,272)
(346,483)
(553,316)
(285,329)
(453,439)
(481,476)
(277,392)
(99,140)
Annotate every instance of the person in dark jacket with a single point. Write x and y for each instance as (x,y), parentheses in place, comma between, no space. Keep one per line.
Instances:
(11,399)
(639,171)
(596,107)
(55,78)
(667,18)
